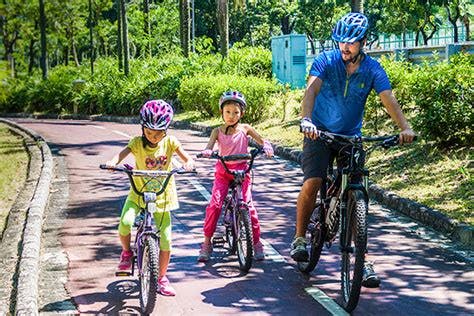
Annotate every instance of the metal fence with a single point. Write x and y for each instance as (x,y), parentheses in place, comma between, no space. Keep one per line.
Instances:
(417,55)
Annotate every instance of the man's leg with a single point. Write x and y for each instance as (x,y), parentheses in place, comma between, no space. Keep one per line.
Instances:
(304,207)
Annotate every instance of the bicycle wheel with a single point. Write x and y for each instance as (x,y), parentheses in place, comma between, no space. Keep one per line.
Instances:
(316,234)
(148,277)
(353,246)
(243,234)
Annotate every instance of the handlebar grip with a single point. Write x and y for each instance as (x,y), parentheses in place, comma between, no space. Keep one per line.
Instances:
(103,166)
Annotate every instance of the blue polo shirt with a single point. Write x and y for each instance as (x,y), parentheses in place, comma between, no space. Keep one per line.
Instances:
(339,106)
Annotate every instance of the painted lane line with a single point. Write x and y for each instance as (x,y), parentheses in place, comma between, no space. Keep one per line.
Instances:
(122,134)
(326,301)
(98,127)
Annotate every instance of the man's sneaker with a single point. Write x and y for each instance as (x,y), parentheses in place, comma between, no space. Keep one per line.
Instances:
(205,252)
(370,278)
(258,252)
(164,287)
(125,260)
(298,249)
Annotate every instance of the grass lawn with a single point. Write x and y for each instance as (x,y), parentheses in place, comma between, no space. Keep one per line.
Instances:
(13,170)
(438,179)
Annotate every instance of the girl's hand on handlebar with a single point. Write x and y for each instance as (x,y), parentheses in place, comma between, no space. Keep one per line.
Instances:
(406,136)
(189,165)
(206,153)
(267,148)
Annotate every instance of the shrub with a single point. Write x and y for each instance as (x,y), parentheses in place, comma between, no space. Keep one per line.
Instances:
(202,92)
(444,96)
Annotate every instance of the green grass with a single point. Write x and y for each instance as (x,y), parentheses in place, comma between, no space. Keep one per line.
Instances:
(13,170)
(438,179)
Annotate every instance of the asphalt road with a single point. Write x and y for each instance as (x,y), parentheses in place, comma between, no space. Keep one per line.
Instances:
(421,274)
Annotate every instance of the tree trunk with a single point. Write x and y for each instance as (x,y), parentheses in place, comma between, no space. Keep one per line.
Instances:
(185,26)
(465,20)
(119,36)
(44,51)
(453,19)
(91,37)
(357,6)
(147,27)
(126,59)
(223,26)
(31,55)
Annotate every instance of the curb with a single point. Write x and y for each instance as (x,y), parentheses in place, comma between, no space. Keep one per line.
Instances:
(28,267)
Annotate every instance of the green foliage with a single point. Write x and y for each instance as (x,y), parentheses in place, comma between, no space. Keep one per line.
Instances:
(444,97)
(437,99)
(252,61)
(202,92)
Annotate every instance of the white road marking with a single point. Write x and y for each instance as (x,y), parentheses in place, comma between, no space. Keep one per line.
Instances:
(98,127)
(326,301)
(122,134)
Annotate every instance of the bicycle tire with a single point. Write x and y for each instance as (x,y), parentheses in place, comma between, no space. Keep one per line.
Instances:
(244,238)
(354,245)
(148,276)
(316,234)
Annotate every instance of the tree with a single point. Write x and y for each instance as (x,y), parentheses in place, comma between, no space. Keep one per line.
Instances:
(185,26)
(126,51)
(119,36)
(44,51)
(146,24)
(223,26)
(357,6)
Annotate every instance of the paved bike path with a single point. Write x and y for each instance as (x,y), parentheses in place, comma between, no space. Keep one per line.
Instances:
(417,275)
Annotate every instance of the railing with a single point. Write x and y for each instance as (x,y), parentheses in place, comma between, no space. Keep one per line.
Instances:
(417,55)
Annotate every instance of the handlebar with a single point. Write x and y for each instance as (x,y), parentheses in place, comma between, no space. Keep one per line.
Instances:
(147,173)
(386,141)
(237,157)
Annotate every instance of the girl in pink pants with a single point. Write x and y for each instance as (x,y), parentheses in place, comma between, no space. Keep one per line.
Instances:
(232,139)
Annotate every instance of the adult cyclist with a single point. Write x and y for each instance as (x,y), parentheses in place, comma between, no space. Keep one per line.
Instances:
(336,92)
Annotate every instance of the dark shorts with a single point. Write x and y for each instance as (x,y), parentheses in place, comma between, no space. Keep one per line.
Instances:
(317,156)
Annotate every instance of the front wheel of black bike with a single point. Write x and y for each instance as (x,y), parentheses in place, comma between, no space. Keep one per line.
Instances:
(315,234)
(244,237)
(148,276)
(353,247)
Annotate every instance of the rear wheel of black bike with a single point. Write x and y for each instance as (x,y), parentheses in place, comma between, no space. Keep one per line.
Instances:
(353,246)
(243,234)
(149,276)
(316,234)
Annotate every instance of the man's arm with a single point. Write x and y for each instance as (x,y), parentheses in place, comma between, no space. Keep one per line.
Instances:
(395,112)
(312,89)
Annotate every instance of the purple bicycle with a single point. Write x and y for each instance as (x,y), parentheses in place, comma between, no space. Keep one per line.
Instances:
(147,238)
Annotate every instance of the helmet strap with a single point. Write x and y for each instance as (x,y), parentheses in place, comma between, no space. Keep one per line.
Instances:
(230,126)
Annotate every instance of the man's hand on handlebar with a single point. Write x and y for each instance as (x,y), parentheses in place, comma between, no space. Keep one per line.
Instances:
(308,128)
(407,136)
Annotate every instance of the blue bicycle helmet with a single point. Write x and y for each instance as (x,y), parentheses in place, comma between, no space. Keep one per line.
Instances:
(350,28)
(233,95)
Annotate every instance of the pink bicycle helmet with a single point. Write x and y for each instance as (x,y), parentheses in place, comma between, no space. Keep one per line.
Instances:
(156,115)
(233,95)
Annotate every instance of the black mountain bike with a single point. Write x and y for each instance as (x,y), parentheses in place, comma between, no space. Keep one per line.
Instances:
(147,238)
(342,206)
(236,216)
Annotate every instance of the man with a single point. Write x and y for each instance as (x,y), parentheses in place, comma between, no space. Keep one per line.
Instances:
(340,81)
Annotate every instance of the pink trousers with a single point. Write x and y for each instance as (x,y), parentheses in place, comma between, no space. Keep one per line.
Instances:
(221,184)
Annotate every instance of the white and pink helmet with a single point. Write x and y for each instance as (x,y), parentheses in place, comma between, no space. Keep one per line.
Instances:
(156,115)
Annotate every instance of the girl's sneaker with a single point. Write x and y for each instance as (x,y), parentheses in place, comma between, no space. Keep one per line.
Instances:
(205,252)
(125,260)
(164,287)
(258,252)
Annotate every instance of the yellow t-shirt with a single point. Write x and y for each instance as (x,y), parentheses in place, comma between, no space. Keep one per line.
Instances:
(158,158)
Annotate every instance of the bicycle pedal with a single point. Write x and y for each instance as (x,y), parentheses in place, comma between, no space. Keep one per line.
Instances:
(123,273)
(218,241)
